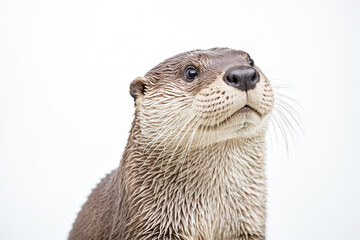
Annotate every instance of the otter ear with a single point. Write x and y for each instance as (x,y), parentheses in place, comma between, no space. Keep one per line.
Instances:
(138,87)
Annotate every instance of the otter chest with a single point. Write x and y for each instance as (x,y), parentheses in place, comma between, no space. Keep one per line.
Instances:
(233,198)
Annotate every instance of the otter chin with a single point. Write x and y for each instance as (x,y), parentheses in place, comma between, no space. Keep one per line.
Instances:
(194,164)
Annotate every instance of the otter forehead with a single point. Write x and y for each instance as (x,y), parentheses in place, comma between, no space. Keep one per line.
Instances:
(222,58)
(216,59)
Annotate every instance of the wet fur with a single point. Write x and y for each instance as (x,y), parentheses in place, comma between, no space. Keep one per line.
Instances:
(193,167)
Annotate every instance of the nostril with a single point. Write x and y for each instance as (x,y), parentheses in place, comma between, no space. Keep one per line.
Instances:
(253,78)
(232,79)
(235,81)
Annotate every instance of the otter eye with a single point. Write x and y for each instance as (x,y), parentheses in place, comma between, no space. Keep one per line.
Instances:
(251,62)
(190,74)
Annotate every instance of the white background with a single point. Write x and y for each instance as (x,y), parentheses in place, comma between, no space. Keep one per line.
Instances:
(65,110)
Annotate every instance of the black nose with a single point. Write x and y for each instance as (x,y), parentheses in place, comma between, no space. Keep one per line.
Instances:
(242,77)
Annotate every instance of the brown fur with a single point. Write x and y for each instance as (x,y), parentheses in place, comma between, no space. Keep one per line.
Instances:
(193,167)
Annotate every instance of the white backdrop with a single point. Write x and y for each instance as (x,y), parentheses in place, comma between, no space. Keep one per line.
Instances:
(65,110)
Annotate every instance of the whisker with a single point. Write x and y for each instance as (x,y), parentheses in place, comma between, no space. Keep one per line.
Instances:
(161,143)
(184,134)
(281,130)
(165,129)
(285,115)
(175,137)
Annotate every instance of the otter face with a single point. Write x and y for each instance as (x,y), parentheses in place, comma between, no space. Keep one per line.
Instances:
(205,96)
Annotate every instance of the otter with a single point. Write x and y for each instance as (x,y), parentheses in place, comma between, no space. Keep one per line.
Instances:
(194,164)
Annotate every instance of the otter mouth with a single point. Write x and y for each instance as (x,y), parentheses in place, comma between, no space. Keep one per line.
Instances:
(247,109)
(244,110)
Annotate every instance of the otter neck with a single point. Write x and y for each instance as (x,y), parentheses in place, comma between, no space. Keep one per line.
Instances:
(241,158)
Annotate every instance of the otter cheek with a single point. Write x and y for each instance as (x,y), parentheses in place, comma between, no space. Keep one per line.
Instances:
(216,103)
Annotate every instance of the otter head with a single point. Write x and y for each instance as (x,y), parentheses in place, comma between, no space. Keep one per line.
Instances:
(202,97)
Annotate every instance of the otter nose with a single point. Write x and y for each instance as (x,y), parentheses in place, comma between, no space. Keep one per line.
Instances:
(243,78)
